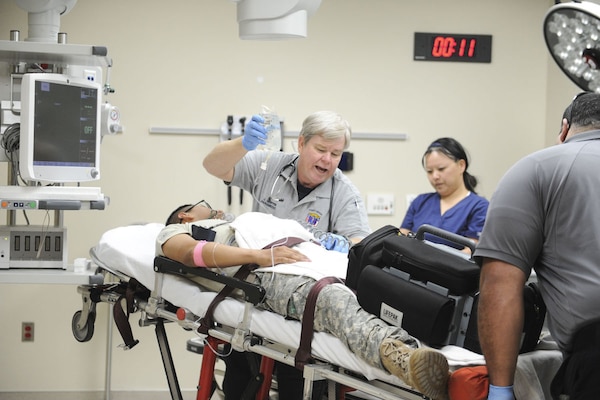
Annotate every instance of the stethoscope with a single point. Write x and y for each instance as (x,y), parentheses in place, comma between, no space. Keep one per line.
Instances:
(291,165)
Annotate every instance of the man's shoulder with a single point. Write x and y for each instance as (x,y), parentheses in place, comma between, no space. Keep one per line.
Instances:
(339,176)
(276,156)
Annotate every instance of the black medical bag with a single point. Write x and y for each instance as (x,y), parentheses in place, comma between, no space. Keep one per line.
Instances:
(428,289)
(367,252)
(535,315)
(431,262)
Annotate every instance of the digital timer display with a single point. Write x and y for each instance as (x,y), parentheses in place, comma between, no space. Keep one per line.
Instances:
(452,47)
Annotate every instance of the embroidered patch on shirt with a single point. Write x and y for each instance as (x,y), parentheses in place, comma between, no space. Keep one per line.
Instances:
(313,218)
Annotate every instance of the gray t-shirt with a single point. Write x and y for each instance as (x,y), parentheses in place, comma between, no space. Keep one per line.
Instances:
(275,192)
(545,214)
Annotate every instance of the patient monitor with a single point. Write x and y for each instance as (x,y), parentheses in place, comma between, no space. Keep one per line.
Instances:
(60,128)
(53,114)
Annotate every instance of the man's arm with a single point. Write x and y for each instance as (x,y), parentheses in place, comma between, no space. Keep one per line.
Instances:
(500,318)
(221,161)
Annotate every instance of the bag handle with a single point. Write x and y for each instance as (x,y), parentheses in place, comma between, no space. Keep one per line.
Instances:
(444,234)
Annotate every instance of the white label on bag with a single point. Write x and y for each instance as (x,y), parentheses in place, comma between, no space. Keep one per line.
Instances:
(391,315)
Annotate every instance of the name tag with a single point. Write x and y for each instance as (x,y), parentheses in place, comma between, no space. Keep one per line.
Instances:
(391,315)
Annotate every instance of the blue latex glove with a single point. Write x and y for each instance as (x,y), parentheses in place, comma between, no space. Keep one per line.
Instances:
(501,393)
(254,133)
(331,241)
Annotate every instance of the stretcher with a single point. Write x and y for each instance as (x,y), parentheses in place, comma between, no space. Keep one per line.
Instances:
(128,253)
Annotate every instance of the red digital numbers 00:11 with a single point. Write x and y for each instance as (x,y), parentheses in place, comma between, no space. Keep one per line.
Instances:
(446,47)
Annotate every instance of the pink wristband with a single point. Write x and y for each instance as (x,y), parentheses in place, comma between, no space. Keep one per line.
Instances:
(198,259)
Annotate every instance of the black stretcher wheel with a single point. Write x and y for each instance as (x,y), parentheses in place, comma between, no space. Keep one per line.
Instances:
(85,332)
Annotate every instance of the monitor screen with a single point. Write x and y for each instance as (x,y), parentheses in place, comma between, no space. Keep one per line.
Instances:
(60,128)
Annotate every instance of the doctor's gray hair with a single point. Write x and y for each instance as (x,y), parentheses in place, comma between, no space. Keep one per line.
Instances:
(327,124)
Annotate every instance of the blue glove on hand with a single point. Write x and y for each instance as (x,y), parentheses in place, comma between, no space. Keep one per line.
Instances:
(331,241)
(501,393)
(254,133)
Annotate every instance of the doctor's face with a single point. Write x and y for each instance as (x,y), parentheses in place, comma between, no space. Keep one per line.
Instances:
(318,159)
(444,173)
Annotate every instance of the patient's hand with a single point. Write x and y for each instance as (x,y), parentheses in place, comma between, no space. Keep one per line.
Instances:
(278,255)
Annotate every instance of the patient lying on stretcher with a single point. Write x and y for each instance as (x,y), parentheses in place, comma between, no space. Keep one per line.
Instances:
(288,274)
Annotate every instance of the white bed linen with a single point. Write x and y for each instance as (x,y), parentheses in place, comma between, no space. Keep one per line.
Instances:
(130,250)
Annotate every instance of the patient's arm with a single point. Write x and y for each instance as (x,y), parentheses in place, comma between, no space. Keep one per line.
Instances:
(181,248)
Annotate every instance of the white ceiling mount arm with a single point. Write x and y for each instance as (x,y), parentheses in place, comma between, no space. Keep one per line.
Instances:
(44,18)
(274,19)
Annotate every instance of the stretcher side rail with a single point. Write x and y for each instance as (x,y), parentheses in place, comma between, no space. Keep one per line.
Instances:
(252,293)
(243,340)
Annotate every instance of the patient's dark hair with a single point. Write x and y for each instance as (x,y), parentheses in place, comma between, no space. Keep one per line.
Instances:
(173,218)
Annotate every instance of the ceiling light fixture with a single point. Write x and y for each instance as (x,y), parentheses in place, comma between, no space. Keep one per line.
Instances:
(572,33)
(274,19)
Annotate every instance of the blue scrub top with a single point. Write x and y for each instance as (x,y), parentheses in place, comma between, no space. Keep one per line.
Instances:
(466,218)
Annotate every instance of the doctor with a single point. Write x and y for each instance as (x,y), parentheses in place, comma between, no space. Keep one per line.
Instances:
(307,187)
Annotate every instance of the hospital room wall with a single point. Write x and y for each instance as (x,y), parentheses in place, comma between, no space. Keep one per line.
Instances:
(181,65)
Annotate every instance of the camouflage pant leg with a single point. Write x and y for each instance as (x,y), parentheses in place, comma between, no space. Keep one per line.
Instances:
(279,289)
(338,313)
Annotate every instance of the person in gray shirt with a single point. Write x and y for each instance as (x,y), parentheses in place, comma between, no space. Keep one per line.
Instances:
(307,187)
(544,215)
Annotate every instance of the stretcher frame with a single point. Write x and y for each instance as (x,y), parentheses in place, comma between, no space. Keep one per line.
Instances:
(155,310)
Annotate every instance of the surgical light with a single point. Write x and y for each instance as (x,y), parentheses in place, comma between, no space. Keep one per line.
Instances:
(571,32)
(274,19)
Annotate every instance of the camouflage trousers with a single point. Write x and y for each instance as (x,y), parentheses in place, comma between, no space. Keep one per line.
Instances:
(337,312)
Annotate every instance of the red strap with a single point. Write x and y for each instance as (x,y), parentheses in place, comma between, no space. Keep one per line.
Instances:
(303,355)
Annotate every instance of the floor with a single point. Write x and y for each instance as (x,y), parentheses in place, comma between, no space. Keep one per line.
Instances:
(95,396)
(137,395)
(134,395)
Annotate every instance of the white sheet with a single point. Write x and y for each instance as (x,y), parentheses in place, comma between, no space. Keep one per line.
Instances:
(130,250)
(254,230)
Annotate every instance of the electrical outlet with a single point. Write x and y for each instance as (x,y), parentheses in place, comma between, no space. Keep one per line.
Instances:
(27,331)
(380,204)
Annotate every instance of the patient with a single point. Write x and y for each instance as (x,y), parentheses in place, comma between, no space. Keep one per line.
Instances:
(337,310)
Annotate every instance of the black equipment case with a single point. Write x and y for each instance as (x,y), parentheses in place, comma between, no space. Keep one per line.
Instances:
(428,289)
(423,287)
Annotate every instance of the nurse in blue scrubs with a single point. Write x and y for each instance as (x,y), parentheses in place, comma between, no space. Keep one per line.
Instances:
(454,206)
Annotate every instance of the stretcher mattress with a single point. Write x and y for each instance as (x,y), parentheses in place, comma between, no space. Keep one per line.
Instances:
(130,250)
